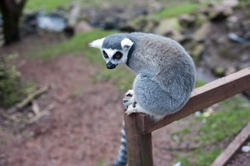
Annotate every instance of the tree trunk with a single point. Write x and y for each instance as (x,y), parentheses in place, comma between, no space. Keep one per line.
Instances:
(11,13)
(11,27)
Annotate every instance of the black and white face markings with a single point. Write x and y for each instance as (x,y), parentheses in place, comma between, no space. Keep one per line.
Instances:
(112,57)
(114,48)
(117,56)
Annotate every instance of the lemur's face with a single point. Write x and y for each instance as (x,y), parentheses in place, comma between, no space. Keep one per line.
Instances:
(112,56)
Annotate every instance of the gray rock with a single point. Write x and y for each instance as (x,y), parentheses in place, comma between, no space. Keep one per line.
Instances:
(167,25)
(232,22)
(218,13)
(197,51)
(83,26)
(202,33)
(219,71)
(143,24)
(112,17)
(187,20)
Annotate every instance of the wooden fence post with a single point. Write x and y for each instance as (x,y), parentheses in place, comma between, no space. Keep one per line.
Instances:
(139,145)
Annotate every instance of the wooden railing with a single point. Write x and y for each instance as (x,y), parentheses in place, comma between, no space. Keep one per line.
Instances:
(139,127)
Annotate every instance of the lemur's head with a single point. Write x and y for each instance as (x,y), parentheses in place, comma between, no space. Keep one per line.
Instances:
(114,48)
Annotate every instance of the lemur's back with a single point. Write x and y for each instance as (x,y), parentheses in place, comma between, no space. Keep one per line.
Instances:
(165,63)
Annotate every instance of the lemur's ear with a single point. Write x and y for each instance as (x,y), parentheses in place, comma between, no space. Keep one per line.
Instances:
(96,43)
(126,43)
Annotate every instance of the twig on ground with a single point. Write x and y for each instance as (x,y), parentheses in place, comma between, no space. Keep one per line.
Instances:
(40,114)
(31,96)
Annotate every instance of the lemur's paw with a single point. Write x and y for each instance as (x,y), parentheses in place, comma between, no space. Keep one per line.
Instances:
(132,108)
(128,99)
(129,93)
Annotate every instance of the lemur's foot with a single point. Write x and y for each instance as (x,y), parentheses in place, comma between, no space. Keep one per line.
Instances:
(129,93)
(134,108)
(128,99)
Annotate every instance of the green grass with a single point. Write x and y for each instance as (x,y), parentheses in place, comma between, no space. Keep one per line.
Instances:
(244,2)
(199,83)
(226,122)
(47,5)
(78,45)
(222,124)
(177,10)
(100,163)
(203,157)
(120,76)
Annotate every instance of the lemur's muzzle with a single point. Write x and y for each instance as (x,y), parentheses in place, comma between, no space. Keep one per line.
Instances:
(110,65)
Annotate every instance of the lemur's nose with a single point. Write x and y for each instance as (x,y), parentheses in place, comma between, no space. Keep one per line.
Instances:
(110,65)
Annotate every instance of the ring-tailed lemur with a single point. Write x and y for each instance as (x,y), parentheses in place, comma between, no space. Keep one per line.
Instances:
(165,74)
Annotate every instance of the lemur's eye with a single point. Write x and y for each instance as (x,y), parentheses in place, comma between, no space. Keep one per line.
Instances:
(105,54)
(117,55)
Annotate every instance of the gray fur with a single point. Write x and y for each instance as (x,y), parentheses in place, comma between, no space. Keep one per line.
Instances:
(165,73)
(113,41)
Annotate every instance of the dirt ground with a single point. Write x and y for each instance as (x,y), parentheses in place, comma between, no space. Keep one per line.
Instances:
(83,128)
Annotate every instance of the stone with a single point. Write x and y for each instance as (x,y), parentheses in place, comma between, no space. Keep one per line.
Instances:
(187,20)
(246,25)
(197,51)
(143,24)
(200,19)
(219,13)
(82,27)
(219,71)
(170,28)
(232,22)
(167,25)
(202,33)
(229,3)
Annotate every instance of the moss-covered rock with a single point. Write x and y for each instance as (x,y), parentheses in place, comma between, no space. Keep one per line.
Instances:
(197,51)
(187,20)
(218,13)
(143,24)
(219,71)
(202,33)
(170,28)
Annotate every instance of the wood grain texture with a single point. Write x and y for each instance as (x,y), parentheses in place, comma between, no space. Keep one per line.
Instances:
(201,98)
(233,147)
(139,146)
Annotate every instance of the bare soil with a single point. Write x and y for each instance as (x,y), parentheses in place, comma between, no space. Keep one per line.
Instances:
(83,128)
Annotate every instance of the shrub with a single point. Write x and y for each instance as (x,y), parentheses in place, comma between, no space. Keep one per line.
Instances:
(11,88)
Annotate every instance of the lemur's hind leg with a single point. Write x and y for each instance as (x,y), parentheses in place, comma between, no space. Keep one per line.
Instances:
(134,108)
(128,98)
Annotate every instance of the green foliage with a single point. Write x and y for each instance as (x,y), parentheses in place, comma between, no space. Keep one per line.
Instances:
(177,10)
(199,83)
(226,122)
(222,124)
(10,85)
(45,4)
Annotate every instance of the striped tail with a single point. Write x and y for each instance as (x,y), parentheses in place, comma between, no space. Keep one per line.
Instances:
(121,158)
